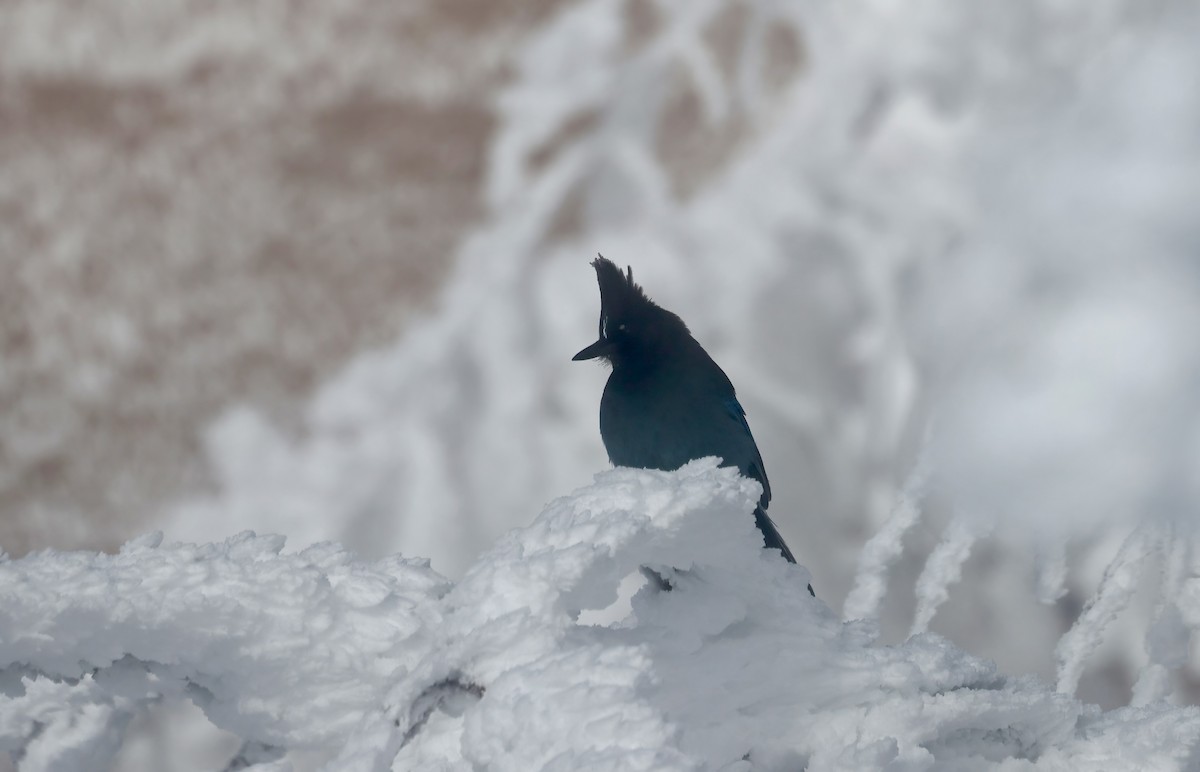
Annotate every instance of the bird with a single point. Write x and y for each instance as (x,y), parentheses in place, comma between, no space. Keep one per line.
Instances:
(666,401)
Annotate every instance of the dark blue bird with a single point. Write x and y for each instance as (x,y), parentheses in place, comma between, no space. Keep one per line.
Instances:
(667,402)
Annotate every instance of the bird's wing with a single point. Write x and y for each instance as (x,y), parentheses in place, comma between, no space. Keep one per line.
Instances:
(754,469)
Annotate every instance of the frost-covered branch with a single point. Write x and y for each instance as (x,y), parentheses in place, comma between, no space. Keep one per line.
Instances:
(285,650)
(884,548)
(942,569)
(385,665)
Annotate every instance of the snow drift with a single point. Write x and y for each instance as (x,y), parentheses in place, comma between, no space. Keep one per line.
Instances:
(388,665)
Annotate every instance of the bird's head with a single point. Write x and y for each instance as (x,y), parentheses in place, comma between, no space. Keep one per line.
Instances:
(633,328)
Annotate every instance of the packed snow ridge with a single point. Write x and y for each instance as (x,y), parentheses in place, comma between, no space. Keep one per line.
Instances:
(388,665)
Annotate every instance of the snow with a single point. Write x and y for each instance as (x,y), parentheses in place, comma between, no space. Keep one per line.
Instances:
(222,624)
(388,665)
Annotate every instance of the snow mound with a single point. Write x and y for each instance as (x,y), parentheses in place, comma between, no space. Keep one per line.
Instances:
(387,665)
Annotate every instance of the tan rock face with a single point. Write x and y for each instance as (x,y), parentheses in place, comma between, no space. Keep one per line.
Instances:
(208,204)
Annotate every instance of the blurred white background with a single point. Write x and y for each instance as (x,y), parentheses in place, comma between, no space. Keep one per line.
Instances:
(318,268)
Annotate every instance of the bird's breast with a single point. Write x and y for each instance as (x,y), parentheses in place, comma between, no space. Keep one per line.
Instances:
(664,426)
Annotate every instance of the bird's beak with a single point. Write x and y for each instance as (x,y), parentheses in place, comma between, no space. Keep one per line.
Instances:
(598,349)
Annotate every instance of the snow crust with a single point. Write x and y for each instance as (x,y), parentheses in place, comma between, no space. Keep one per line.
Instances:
(388,665)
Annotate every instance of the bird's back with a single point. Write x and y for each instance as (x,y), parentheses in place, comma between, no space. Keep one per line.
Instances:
(681,409)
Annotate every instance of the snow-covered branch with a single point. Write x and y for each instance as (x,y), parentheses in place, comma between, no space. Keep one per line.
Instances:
(385,665)
(282,649)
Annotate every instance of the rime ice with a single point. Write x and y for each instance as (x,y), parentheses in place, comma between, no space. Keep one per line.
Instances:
(387,665)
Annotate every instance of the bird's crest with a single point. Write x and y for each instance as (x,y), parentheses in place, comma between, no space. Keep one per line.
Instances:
(621,299)
(631,324)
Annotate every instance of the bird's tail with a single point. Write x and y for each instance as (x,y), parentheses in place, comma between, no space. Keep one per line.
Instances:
(771,538)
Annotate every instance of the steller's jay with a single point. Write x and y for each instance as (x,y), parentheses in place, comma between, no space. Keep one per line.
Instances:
(667,402)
